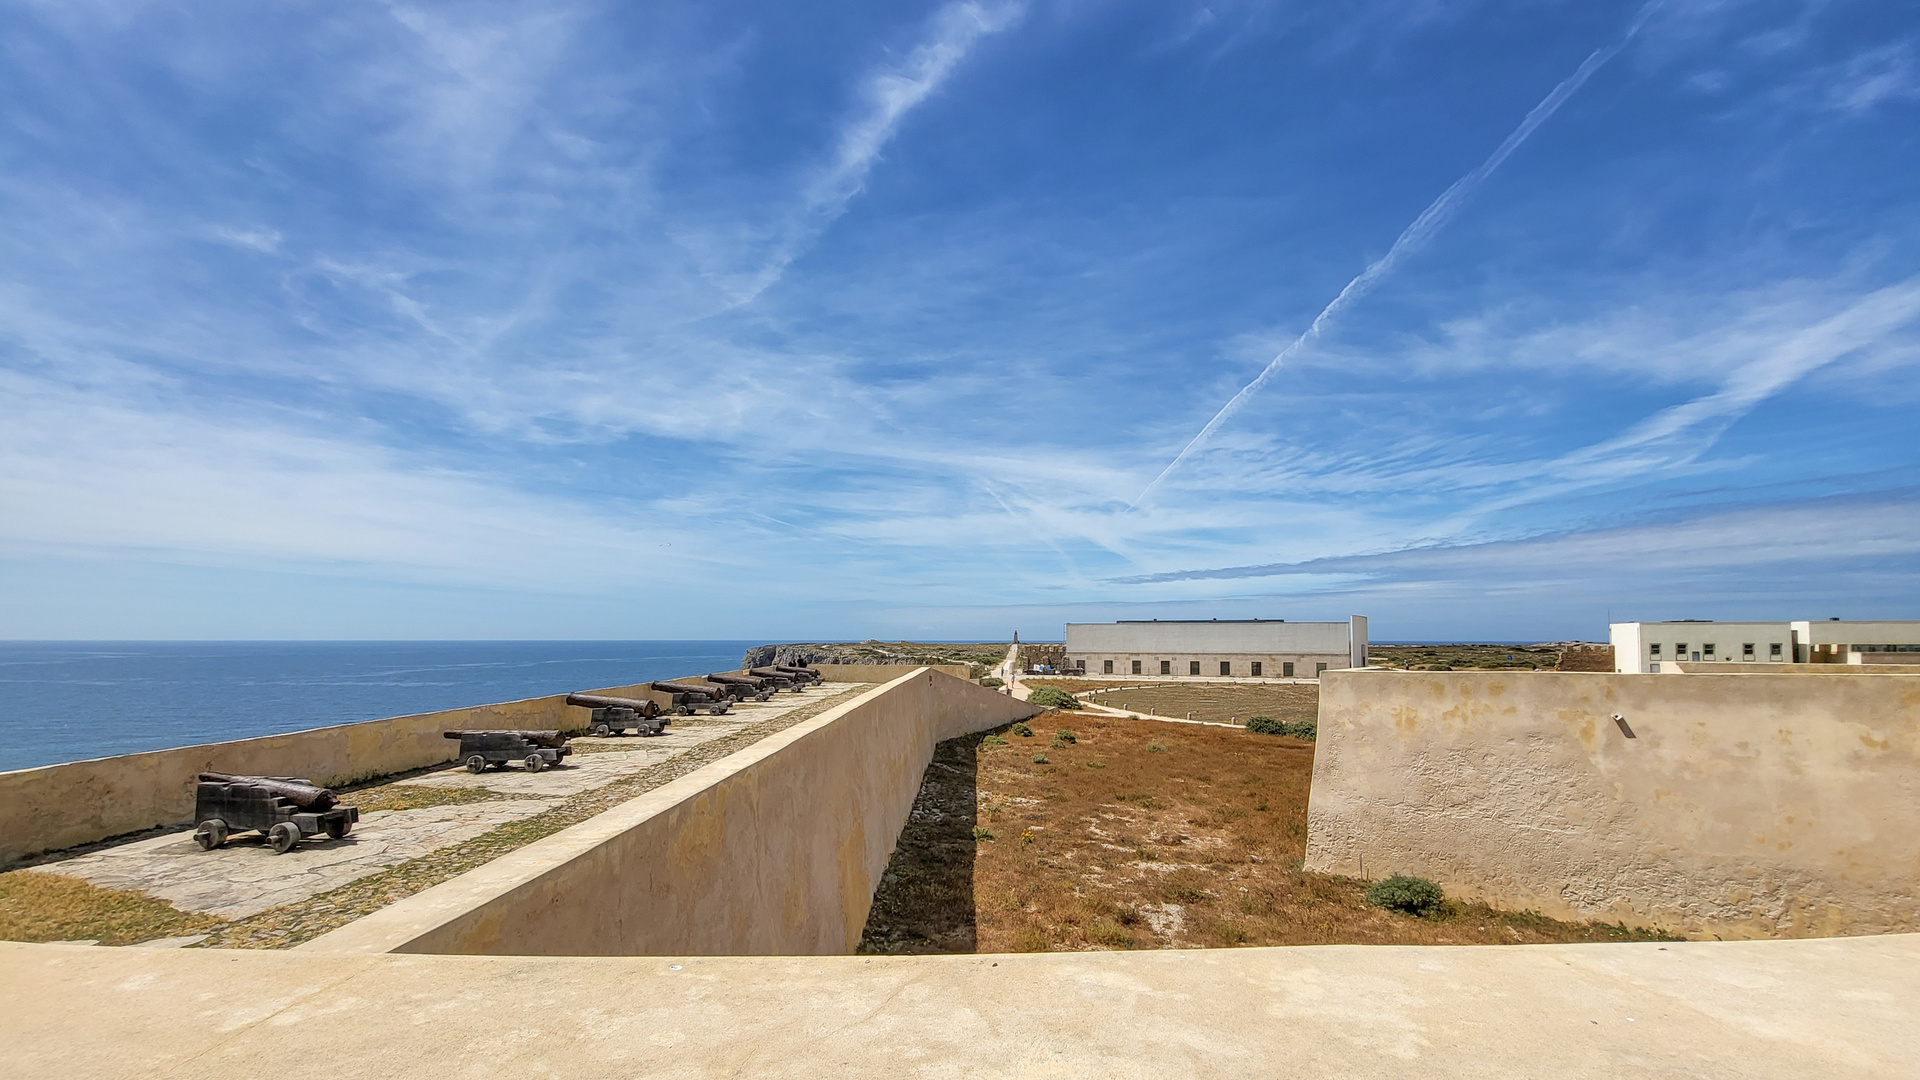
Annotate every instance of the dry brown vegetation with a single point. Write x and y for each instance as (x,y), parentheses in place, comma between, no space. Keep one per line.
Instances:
(36,906)
(1544,657)
(1216,702)
(1139,834)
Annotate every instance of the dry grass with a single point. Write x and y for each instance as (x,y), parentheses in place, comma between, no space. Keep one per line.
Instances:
(1113,844)
(1216,702)
(37,906)
(1457,657)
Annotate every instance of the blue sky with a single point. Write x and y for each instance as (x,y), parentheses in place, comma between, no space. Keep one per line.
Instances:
(341,319)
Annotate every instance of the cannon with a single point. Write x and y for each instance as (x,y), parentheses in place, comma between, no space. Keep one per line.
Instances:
(534,749)
(800,674)
(287,809)
(689,696)
(618,715)
(740,687)
(781,679)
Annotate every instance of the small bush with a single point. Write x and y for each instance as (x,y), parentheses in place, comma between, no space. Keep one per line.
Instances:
(1022,730)
(991,682)
(1048,697)
(981,832)
(1299,729)
(1407,895)
(994,740)
(1065,735)
(1039,759)
(1156,748)
(1095,765)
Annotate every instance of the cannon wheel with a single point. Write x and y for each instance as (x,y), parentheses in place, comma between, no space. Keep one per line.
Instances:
(283,836)
(683,710)
(211,834)
(763,695)
(338,828)
(476,764)
(535,763)
(602,730)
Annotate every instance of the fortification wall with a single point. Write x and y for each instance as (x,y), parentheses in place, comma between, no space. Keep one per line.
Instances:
(79,802)
(776,849)
(1742,805)
(859,673)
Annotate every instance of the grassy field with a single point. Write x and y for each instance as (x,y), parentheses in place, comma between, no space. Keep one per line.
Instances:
(1139,835)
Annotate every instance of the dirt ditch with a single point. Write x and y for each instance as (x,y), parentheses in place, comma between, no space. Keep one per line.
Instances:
(1139,834)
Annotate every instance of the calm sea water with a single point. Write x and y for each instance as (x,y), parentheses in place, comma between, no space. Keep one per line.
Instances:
(66,701)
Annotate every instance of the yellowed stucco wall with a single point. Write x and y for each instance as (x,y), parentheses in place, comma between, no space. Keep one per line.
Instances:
(60,806)
(1744,806)
(776,849)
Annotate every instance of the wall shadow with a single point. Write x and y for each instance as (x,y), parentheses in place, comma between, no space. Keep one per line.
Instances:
(925,900)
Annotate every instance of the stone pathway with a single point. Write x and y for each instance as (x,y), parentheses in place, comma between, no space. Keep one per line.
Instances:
(245,877)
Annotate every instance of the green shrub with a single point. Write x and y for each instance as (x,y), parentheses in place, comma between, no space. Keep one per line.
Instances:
(1407,895)
(1095,765)
(1065,735)
(1039,759)
(981,832)
(1299,729)
(1022,730)
(994,740)
(1156,748)
(990,682)
(1048,697)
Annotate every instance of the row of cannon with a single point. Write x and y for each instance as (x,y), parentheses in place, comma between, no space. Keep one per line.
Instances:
(716,694)
(288,809)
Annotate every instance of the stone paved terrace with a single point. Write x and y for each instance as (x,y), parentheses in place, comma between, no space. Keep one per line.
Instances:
(1753,1010)
(245,879)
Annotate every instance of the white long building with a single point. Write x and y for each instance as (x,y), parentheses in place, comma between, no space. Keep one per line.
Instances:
(1645,646)
(1235,648)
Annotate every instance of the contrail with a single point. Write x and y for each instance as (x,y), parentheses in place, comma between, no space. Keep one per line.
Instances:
(1416,234)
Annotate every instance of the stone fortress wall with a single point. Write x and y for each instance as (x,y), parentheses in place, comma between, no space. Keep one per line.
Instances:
(80,802)
(774,850)
(1729,805)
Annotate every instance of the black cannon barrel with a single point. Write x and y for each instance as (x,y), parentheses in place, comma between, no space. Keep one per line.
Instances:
(779,678)
(754,681)
(600,701)
(553,739)
(687,688)
(302,793)
(800,672)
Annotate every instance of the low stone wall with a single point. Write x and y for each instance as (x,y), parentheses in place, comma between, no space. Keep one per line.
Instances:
(859,673)
(1739,806)
(776,849)
(79,802)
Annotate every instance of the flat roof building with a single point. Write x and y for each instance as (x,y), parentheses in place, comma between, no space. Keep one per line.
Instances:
(1640,647)
(1216,648)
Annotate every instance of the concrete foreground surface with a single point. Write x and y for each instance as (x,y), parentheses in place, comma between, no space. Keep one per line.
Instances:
(1844,1007)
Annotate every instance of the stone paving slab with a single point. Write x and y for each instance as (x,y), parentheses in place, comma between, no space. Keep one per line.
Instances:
(245,877)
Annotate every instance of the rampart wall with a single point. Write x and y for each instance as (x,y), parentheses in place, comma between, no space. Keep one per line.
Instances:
(1740,806)
(79,802)
(776,849)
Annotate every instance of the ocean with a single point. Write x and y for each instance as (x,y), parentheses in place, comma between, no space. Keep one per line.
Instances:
(68,701)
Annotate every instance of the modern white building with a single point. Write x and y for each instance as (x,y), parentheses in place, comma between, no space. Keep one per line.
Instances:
(1640,647)
(1234,648)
